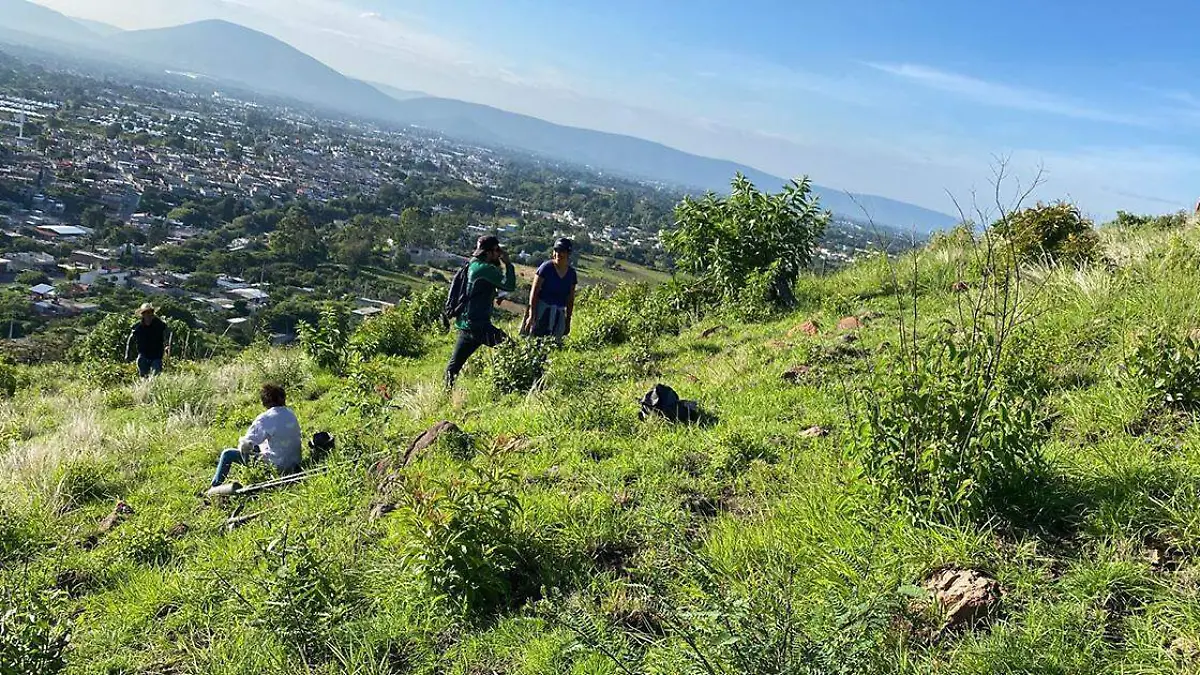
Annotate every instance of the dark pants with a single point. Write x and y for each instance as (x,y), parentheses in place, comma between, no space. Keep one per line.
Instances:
(469,342)
(146,366)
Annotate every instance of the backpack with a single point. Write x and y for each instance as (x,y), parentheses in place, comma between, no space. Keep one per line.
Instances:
(457,298)
(662,400)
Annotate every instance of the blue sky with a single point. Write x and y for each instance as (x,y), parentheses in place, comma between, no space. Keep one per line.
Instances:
(912,100)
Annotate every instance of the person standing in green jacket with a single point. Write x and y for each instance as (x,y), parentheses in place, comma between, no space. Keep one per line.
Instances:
(474,325)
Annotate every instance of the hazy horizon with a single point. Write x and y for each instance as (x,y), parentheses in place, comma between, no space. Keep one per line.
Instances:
(904,102)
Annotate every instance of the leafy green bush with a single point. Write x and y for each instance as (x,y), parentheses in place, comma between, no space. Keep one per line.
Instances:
(461,537)
(17,538)
(516,366)
(106,374)
(726,241)
(81,482)
(32,638)
(736,451)
(629,310)
(1168,367)
(104,341)
(144,545)
(306,598)
(9,379)
(943,434)
(426,305)
(1169,221)
(1057,232)
(328,342)
(392,333)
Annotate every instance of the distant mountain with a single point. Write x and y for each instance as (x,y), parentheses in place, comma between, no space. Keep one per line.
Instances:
(639,158)
(99,28)
(398,94)
(20,19)
(238,55)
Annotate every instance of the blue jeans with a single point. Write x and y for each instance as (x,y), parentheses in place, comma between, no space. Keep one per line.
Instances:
(228,458)
(147,366)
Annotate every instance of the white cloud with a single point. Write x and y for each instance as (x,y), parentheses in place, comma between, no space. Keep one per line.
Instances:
(1003,95)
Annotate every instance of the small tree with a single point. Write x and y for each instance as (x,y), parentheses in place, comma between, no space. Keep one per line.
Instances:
(729,241)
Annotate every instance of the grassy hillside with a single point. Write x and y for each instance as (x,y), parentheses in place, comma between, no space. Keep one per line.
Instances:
(563,535)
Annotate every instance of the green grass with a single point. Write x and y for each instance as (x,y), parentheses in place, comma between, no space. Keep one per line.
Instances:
(632,538)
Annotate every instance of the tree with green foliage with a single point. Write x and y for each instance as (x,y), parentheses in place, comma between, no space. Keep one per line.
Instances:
(296,238)
(730,241)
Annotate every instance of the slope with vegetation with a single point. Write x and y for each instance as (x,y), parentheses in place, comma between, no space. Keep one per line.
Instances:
(1024,413)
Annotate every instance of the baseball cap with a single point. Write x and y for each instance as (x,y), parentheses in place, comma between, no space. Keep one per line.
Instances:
(488,242)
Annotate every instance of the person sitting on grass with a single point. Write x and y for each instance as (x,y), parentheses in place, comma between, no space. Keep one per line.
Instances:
(273,437)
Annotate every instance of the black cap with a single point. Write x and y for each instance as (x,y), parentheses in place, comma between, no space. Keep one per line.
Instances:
(488,242)
(563,245)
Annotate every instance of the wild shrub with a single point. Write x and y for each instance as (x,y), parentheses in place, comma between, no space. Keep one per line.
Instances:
(82,482)
(328,341)
(1058,232)
(943,434)
(736,451)
(392,333)
(107,374)
(629,310)
(461,539)
(17,537)
(726,241)
(426,306)
(32,638)
(104,341)
(306,598)
(516,366)
(144,544)
(1167,366)
(1133,221)
(10,379)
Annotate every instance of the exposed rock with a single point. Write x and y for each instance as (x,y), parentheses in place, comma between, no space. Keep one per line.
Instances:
(709,332)
(965,595)
(849,323)
(119,513)
(795,374)
(1186,649)
(814,432)
(428,438)
(960,287)
(809,328)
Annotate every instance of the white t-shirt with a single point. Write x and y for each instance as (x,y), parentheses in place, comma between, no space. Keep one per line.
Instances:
(276,432)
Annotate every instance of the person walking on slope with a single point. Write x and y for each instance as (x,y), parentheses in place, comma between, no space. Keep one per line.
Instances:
(552,300)
(484,280)
(273,437)
(152,336)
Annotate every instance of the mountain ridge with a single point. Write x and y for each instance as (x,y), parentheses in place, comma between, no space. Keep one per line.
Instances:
(250,59)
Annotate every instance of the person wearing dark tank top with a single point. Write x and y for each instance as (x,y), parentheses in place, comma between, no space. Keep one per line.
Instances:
(552,300)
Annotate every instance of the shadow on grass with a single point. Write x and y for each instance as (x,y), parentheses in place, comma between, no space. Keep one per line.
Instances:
(1057,508)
